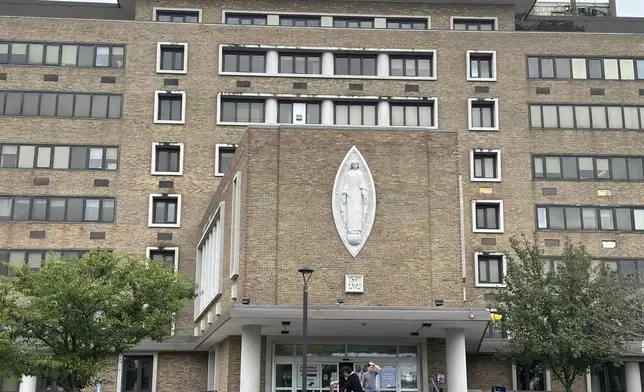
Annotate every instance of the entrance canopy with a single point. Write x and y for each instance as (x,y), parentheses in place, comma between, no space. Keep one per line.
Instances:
(345,321)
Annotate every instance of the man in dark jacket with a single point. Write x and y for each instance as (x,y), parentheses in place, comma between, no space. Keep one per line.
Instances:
(352,383)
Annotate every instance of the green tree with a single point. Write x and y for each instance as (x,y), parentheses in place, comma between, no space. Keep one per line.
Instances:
(576,318)
(66,321)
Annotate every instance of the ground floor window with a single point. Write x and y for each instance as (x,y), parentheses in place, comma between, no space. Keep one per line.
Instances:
(137,373)
(609,379)
(529,379)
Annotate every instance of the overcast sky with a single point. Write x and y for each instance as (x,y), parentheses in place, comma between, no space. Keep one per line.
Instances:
(624,7)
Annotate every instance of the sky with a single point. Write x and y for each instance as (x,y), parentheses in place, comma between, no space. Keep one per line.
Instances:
(624,7)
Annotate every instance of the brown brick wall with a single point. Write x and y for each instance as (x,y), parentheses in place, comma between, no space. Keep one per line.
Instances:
(485,371)
(182,372)
(230,364)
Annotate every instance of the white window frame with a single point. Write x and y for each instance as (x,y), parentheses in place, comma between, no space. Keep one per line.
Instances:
(156,107)
(498,164)
(155,9)
(504,262)
(151,210)
(160,46)
(490,18)
(213,368)
(154,171)
(235,222)
(501,217)
(155,365)
(202,308)
(468,56)
(218,172)
(495,113)
(175,249)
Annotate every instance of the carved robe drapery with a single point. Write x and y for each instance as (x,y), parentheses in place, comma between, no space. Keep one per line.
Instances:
(354,202)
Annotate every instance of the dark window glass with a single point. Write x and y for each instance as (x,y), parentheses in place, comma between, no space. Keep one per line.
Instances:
(618,166)
(65,105)
(410,66)
(573,218)
(4,53)
(490,269)
(18,53)
(474,24)
(635,170)
(79,158)
(165,210)
(99,106)
(137,373)
(81,105)
(487,216)
(9,156)
(165,256)
(245,62)
(168,158)
(74,210)
(547,68)
(623,217)
(528,379)
(595,69)
(30,104)
(86,56)
(485,165)
(482,115)
(178,16)
(481,66)
(242,111)
(313,113)
(226,156)
(556,218)
(57,209)
(13,104)
(246,19)
(354,23)
(114,106)
(569,167)
(21,207)
(107,210)
(589,217)
(355,65)
(415,24)
(170,107)
(533,68)
(300,21)
(172,58)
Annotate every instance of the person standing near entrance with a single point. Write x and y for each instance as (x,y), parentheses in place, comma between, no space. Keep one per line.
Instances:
(369,377)
(352,381)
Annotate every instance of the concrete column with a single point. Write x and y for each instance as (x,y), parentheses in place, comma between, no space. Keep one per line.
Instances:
(326,21)
(383,113)
(383,64)
(251,358)
(272,62)
(28,384)
(327,112)
(328,66)
(633,379)
(270,111)
(456,360)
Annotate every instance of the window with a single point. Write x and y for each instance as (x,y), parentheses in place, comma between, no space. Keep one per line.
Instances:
(62,54)
(210,261)
(414,115)
(299,112)
(172,58)
(57,209)
(167,159)
(253,62)
(164,210)
(169,256)
(353,23)
(487,216)
(590,218)
(177,15)
(355,65)
(137,373)
(169,107)
(585,68)
(300,63)
(485,165)
(355,113)
(483,114)
(235,222)
(414,24)
(586,116)
(591,168)
(245,19)
(33,258)
(481,66)
(473,24)
(242,111)
(411,66)
(528,379)
(224,155)
(59,157)
(65,105)
(489,269)
(300,21)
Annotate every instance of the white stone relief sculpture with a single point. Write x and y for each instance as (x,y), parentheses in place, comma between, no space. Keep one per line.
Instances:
(354,284)
(354,201)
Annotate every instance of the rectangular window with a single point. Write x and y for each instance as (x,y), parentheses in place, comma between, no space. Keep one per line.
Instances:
(412,115)
(167,158)
(178,16)
(58,104)
(355,113)
(582,68)
(590,168)
(353,23)
(490,269)
(300,64)
(590,218)
(299,113)
(172,58)
(487,216)
(481,66)
(300,21)
(245,19)
(252,62)
(165,210)
(33,258)
(585,117)
(411,66)
(209,262)
(407,24)
(224,155)
(485,165)
(64,55)
(243,111)
(137,373)
(355,65)
(170,107)
(483,114)
(82,157)
(55,209)
(474,24)
(168,256)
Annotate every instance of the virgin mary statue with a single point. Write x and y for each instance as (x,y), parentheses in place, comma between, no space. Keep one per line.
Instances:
(354,204)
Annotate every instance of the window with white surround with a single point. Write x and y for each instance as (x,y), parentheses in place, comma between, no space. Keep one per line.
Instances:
(411,66)
(170,107)
(580,116)
(489,268)
(169,256)
(355,113)
(290,112)
(244,61)
(177,15)
(172,58)
(485,165)
(484,114)
(412,114)
(241,110)
(224,155)
(353,22)
(58,157)
(137,373)
(481,65)
(407,24)
(487,216)
(246,19)
(164,210)
(590,218)
(580,68)
(167,159)
(300,63)
(235,222)
(300,21)
(474,23)
(355,64)
(60,104)
(62,54)
(209,261)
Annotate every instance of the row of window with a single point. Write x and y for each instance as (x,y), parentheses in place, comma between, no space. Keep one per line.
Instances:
(614,168)
(57,209)
(30,156)
(58,104)
(587,116)
(62,54)
(590,218)
(585,68)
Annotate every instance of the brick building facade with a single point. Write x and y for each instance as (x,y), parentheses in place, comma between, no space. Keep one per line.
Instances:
(210,134)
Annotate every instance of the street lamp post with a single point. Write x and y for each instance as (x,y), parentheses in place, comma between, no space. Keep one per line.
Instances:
(306,275)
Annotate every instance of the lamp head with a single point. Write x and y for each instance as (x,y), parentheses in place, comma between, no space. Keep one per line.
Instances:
(306,272)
